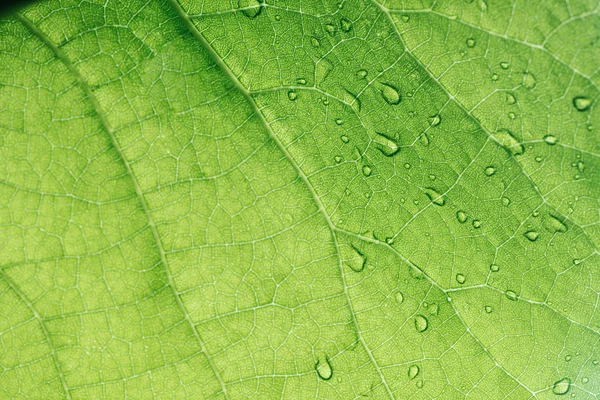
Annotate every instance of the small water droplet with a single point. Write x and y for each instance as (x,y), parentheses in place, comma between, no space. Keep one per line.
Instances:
(390,94)
(511,295)
(580,166)
(405,18)
(483,5)
(250,8)
(494,268)
(339,121)
(330,29)
(532,235)
(324,369)
(562,386)
(419,383)
(505,201)
(432,177)
(460,278)
(568,358)
(345,138)
(277,17)
(389,240)
(388,145)
(292,95)
(346,25)
(424,140)
(510,98)
(353,100)
(362,73)
(315,42)
(509,141)
(353,258)
(338,159)
(301,81)
(538,159)
(550,139)
(366,170)
(407,165)
(488,309)
(504,65)
(413,371)
(399,297)
(585,380)
(470,42)
(435,120)
(421,323)
(461,216)
(512,115)
(435,197)
(495,77)
(529,80)
(582,103)
(476,224)
(554,224)
(489,171)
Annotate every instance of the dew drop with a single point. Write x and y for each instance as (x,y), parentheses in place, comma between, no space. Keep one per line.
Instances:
(353,258)
(405,18)
(388,145)
(476,224)
(488,309)
(366,170)
(324,370)
(277,17)
(353,100)
(424,140)
(512,115)
(339,121)
(461,216)
(435,120)
(346,25)
(495,77)
(399,297)
(292,95)
(315,42)
(580,166)
(505,201)
(504,65)
(421,323)
(389,240)
(562,386)
(568,358)
(338,159)
(489,171)
(301,81)
(510,98)
(532,235)
(511,295)
(585,380)
(494,268)
(483,5)
(419,383)
(330,29)
(345,138)
(435,197)
(554,224)
(460,278)
(362,73)
(538,159)
(413,371)
(550,139)
(510,143)
(582,103)
(407,165)
(250,8)
(390,94)
(529,80)
(470,42)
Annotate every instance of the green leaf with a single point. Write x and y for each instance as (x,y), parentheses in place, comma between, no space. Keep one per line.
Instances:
(300,199)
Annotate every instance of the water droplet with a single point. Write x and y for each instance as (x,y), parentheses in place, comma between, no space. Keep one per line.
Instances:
(476,224)
(315,42)
(421,323)
(483,5)
(532,235)
(353,100)
(504,65)
(338,159)
(585,380)
(362,73)
(424,140)
(488,309)
(324,369)
(538,159)
(510,98)
(339,121)
(366,170)
(562,386)
(407,165)
(389,240)
(510,143)
(405,18)
(554,224)
(292,95)
(399,297)
(512,115)
(512,296)
(388,145)
(330,29)
(353,258)
(568,358)
(580,166)
(550,139)
(460,278)
(390,94)
(413,371)
(250,8)
(529,80)
(301,81)
(470,42)
(494,268)
(345,138)
(495,77)
(277,17)
(505,201)
(346,25)
(582,103)
(435,197)
(435,120)
(489,171)
(419,383)
(461,216)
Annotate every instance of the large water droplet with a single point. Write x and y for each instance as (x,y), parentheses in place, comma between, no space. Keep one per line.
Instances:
(324,369)
(582,103)
(413,371)
(550,139)
(461,216)
(435,120)
(509,141)
(532,236)
(511,295)
(460,278)
(554,224)
(346,25)
(390,94)
(251,8)
(529,80)
(435,197)
(421,323)
(388,145)
(562,386)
